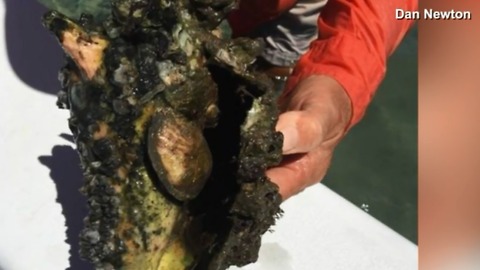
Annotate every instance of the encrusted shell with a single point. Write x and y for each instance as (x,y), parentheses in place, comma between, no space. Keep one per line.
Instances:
(179,154)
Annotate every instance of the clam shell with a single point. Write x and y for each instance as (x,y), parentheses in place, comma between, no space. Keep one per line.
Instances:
(179,154)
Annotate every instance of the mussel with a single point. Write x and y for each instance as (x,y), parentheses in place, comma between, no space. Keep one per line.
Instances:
(179,153)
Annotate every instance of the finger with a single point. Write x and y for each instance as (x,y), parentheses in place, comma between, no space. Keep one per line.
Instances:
(301,131)
(300,171)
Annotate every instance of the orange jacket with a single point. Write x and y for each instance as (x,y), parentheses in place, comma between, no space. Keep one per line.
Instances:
(355,39)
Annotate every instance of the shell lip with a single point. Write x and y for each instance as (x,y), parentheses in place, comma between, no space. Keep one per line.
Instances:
(56,22)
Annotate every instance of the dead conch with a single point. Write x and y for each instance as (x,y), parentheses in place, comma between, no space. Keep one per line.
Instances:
(175,130)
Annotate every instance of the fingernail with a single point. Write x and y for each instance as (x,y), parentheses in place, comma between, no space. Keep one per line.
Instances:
(290,137)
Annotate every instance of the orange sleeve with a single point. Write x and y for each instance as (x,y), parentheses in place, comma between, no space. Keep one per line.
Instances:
(252,13)
(355,39)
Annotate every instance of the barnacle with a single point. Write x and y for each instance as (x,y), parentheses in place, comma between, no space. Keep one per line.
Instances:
(175,129)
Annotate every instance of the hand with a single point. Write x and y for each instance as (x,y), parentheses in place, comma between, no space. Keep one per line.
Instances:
(314,120)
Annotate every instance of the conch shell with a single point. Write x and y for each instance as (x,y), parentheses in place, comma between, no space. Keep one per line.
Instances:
(174,140)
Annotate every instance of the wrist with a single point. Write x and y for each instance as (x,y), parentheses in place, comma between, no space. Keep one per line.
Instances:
(341,107)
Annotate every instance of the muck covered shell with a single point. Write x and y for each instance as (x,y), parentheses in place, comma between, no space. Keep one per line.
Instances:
(175,130)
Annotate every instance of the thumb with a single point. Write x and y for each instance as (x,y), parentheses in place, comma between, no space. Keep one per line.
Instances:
(301,131)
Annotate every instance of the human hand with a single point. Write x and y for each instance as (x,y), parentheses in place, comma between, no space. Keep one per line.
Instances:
(314,120)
